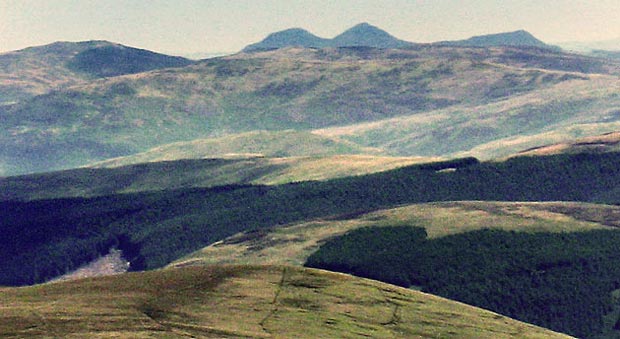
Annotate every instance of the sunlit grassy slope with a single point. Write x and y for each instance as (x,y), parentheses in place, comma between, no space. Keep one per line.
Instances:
(243,301)
(256,143)
(608,142)
(570,109)
(167,175)
(294,243)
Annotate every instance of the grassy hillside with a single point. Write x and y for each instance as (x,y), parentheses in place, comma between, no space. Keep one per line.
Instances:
(115,60)
(286,143)
(37,70)
(453,99)
(188,173)
(302,243)
(505,126)
(608,142)
(244,301)
(510,146)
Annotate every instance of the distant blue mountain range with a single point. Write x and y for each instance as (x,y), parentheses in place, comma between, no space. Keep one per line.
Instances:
(366,35)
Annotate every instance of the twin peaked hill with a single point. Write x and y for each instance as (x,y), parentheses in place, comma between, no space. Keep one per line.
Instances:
(366,35)
(360,35)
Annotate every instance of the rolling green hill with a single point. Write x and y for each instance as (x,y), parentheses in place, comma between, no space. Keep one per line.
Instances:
(37,70)
(444,99)
(114,60)
(565,282)
(244,301)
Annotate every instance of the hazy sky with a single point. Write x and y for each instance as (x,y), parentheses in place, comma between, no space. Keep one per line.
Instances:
(191,26)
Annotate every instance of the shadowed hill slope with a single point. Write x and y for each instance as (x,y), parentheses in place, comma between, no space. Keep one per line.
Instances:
(188,173)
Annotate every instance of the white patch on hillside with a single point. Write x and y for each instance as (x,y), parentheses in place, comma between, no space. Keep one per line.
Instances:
(110,264)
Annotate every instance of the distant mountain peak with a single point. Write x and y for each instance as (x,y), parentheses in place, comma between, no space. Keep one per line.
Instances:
(360,35)
(518,38)
(289,37)
(365,34)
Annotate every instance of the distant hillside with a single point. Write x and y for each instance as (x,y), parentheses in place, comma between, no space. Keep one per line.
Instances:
(366,35)
(519,38)
(196,173)
(115,60)
(287,143)
(497,129)
(361,35)
(304,89)
(245,302)
(606,54)
(37,70)
(608,142)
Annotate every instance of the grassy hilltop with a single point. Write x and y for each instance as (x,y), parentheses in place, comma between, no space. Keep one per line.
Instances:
(246,302)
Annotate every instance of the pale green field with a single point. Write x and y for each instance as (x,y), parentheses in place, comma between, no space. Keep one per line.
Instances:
(244,302)
(291,245)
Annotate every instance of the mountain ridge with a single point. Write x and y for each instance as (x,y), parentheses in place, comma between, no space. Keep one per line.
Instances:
(360,35)
(367,35)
